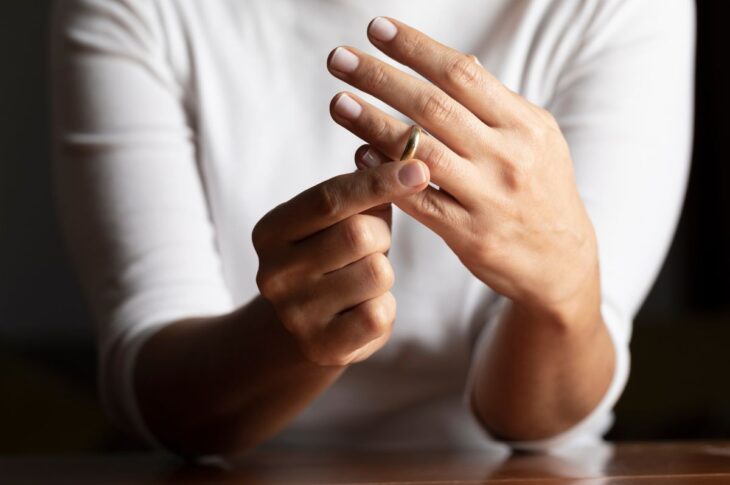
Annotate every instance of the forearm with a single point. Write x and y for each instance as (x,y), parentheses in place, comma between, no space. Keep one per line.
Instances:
(540,373)
(222,385)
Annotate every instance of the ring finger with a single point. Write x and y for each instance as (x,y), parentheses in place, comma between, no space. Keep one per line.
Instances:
(448,170)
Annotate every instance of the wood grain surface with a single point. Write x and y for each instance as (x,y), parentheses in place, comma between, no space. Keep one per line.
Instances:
(626,463)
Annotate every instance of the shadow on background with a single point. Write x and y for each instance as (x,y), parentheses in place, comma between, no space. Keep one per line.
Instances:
(678,388)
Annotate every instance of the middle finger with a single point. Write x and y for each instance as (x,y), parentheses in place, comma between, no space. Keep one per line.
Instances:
(421,101)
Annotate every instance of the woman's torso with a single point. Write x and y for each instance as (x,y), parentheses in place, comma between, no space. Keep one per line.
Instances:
(252,78)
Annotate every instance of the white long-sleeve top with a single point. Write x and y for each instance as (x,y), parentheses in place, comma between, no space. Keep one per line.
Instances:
(179,123)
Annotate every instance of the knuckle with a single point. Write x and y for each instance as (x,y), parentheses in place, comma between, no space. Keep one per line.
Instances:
(380,271)
(377,185)
(461,70)
(411,46)
(376,318)
(548,117)
(430,207)
(378,128)
(537,132)
(375,78)
(436,158)
(383,238)
(503,153)
(515,176)
(358,234)
(261,230)
(294,320)
(271,284)
(328,201)
(257,236)
(437,107)
(389,304)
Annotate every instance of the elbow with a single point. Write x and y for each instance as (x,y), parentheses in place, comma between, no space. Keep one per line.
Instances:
(516,427)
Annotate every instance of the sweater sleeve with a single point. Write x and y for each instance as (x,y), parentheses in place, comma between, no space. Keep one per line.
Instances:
(130,195)
(624,103)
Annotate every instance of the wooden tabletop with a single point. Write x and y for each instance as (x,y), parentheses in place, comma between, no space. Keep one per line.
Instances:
(640,463)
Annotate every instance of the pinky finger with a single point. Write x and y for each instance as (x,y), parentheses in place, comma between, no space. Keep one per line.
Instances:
(436,209)
(363,329)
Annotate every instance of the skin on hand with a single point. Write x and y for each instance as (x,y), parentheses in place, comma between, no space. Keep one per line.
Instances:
(508,205)
(322,261)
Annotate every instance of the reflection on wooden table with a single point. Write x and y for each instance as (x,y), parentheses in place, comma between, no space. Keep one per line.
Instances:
(670,463)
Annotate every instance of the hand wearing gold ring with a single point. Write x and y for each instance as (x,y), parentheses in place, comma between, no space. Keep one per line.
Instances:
(506,202)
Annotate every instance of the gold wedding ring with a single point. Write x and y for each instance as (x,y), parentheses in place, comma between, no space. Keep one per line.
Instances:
(412,143)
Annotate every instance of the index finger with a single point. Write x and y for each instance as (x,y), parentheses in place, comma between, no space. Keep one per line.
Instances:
(345,195)
(458,74)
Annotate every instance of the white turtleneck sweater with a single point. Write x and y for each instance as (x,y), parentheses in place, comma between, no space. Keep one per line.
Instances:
(179,123)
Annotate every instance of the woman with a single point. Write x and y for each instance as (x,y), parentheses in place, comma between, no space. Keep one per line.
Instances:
(532,219)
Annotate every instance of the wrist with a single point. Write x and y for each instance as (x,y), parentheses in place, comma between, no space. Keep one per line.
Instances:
(575,311)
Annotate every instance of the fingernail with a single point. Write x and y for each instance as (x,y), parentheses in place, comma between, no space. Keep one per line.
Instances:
(476,59)
(347,107)
(344,60)
(412,175)
(382,29)
(370,158)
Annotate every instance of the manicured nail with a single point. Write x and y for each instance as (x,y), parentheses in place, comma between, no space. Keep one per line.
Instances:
(412,175)
(347,107)
(370,158)
(344,60)
(382,29)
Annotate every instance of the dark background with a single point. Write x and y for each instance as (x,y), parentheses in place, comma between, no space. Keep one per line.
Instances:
(679,387)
